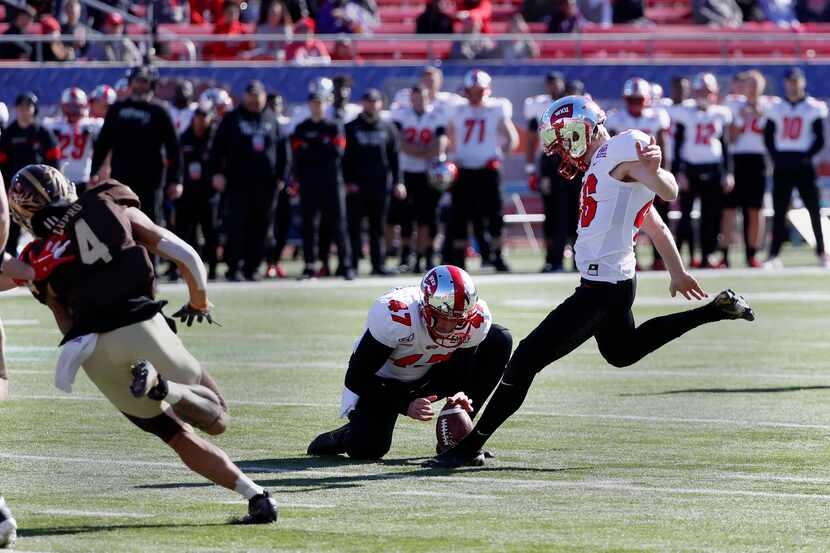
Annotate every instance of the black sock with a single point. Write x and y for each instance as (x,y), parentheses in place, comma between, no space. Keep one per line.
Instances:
(750,253)
(657,332)
(159,391)
(506,400)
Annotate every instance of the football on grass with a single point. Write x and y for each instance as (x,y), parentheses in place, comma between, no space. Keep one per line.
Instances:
(453,424)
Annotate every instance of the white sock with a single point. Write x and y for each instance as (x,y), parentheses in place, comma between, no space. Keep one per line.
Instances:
(247,488)
(174,392)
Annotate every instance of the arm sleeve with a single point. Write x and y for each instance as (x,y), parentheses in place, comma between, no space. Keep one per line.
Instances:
(103,144)
(172,149)
(818,141)
(368,357)
(769,137)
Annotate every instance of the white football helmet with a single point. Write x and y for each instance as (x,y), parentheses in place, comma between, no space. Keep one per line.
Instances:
(448,305)
(442,174)
(74,104)
(567,128)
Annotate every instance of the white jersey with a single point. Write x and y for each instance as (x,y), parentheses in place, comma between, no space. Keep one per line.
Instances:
(671,109)
(420,130)
(651,121)
(750,126)
(477,137)
(611,212)
(75,141)
(794,123)
(443,101)
(703,129)
(302,112)
(181,116)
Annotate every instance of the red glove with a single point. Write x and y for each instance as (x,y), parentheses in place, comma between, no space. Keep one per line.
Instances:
(533,182)
(49,255)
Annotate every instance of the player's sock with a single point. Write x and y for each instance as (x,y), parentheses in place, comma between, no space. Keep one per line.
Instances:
(247,488)
(171,392)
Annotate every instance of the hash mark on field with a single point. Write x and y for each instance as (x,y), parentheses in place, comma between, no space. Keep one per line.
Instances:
(444,494)
(109,514)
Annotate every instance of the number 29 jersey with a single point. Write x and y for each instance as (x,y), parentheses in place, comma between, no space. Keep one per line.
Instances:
(611,212)
(420,129)
(477,137)
(395,321)
(75,141)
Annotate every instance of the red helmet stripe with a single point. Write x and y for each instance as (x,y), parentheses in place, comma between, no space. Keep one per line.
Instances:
(458,287)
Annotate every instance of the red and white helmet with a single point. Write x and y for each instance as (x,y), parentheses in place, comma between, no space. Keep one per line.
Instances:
(567,128)
(442,173)
(637,95)
(104,92)
(74,103)
(448,294)
(219,98)
(476,78)
(705,89)
(122,88)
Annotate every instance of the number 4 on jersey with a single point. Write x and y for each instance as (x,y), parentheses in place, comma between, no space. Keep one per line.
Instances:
(90,248)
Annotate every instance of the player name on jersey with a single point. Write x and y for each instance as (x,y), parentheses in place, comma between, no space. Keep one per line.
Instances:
(611,212)
(476,128)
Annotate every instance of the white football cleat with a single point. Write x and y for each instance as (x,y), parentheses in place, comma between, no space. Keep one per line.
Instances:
(8,526)
(773,264)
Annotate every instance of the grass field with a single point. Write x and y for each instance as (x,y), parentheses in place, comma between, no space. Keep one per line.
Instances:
(718,442)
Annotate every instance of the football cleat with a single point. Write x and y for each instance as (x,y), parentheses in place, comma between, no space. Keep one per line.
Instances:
(330,443)
(8,526)
(262,509)
(145,377)
(773,264)
(733,306)
(453,459)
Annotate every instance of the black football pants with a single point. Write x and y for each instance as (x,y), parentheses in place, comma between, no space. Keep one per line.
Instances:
(372,424)
(601,310)
(249,208)
(784,180)
(199,212)
(326,199)
(371,202)
(705,183)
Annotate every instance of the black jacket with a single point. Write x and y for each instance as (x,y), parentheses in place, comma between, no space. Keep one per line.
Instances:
(136,132)
(317,149)
(21,147)
(371,152)
(248,148)
(197,165)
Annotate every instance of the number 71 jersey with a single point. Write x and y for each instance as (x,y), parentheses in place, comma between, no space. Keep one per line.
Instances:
(476,131)
(395,321)
(611,212)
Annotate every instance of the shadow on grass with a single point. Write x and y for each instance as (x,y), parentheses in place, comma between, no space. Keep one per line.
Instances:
(774,390)
(93,528)
(302,483)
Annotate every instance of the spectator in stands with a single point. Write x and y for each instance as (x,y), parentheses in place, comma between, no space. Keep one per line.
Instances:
(434,20)
(474,45)
(781,12)
(55,50)
(123,50)
(478,10)
(751,10)
(344,16)
(229,24)
(205,11)
(275,21)
(535,10)
(72,26)
(24,142)
(99,17)
(250,160)
(521,48)
(18,50)
(344,51)
(813,11)
(596,11)
(298,9)
(309,51)
(629,12)
(564,17)
(717,13)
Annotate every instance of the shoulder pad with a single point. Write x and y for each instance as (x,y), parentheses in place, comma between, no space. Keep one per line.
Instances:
(116,192)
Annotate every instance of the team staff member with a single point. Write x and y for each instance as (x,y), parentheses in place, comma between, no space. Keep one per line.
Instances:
(22,143)
(560,197)
(749,155)
(249,167)
(136,130)
(317,145)
(702,164)
(370,167)
(198,206)
(423,136)
(794,134)
(478,128)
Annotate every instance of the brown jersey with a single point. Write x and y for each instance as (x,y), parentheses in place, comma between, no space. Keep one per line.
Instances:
(110,283)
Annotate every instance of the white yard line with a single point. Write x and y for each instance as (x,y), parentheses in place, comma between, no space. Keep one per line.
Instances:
(452,495)
(75,513)
(94,460)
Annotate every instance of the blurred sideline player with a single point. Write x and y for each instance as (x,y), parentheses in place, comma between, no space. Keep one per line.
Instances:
(703,165)
(559,196)
(421,344)
(182,107)
(793,135)
(92,269)
(749,159)
(100,100)
(76,133)
(423,138)
(481,131)
(432,79)
(623,176)
(640,115)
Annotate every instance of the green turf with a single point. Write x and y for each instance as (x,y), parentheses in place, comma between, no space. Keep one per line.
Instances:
(717,442)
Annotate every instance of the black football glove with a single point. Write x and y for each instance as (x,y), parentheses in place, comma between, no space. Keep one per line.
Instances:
(188,313)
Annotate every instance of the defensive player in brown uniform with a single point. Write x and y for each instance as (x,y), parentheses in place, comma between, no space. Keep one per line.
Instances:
(100,289)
